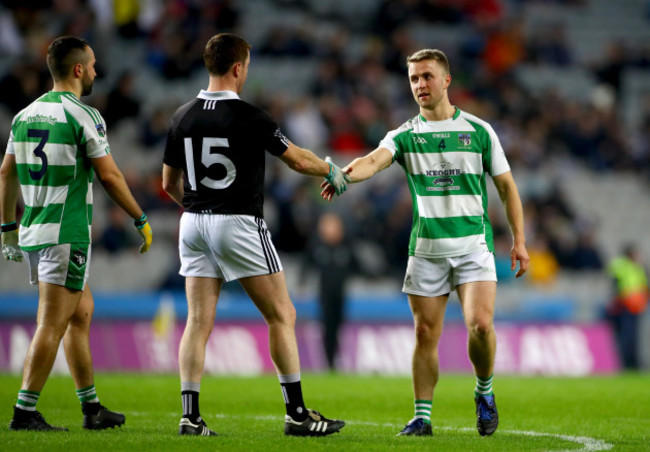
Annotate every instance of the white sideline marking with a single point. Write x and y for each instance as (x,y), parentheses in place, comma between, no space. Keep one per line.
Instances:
(590,444)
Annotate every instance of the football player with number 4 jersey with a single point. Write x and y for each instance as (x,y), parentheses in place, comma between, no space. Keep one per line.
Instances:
(56,145)
(214,167)
(446,154)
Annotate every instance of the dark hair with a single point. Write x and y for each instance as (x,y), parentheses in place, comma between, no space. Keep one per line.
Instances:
(430,54)
(224,50)
(63,53)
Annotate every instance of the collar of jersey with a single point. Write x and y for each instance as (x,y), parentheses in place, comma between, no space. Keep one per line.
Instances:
(217,95)
(456,115)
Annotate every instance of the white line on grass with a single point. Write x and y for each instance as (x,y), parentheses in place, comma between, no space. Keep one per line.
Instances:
(590,444)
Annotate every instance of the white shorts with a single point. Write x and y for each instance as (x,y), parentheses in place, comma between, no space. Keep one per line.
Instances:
(64,265)
(226,246)
(434,277)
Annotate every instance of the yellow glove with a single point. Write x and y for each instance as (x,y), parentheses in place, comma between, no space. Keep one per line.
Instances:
(10,249)
(142,225)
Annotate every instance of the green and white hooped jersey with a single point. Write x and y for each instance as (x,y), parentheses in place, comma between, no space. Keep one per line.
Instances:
(445,163)
(53,139)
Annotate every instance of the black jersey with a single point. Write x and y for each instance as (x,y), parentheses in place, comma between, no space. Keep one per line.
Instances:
(220,142)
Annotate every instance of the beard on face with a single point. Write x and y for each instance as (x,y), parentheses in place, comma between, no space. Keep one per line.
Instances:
(86,86)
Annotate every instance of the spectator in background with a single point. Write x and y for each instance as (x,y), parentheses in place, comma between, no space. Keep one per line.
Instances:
(116,236)
(154,127)
(629,302)
(20,87)
(122,103)
(544,267)
(585,253)
(334,259)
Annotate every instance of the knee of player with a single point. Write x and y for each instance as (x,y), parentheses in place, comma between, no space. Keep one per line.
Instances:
(480,327)
(284,314)
(425,333)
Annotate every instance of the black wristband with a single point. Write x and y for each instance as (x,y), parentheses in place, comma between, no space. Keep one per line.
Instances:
(9,227)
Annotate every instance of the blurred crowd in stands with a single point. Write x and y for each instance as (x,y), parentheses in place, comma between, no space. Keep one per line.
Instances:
(354,98)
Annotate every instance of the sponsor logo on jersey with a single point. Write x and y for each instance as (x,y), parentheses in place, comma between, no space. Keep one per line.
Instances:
(278,134)
(445,169)
(419,140)
(443,177)
(443,181)
(51,120)
(101,130)
(465,139)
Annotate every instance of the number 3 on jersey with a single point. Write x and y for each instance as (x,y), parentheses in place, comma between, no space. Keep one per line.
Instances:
(38,152)
(208,159)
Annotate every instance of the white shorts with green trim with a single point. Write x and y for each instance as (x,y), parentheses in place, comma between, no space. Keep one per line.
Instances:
(431,277)
(64,265)
(226,247)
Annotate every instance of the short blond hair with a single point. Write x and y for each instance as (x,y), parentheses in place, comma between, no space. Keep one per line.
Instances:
(429,54)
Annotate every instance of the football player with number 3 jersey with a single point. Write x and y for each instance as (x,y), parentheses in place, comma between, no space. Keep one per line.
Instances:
(56,145)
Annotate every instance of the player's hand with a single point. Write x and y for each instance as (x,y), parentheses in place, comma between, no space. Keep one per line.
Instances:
(327,192)
(337,178)
(519,253)
(142,225)
(10,249)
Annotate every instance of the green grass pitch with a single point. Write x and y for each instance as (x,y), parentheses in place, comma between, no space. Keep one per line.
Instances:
(540,414)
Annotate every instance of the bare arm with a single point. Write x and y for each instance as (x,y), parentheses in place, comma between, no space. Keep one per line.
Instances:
(304,161)
(509,195)
(363,168)
(9,189)
(113,182)
(173,183)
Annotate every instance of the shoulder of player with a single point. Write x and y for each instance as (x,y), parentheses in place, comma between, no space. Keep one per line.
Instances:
(80,111)
(406,127)
(19,115)
(476,121)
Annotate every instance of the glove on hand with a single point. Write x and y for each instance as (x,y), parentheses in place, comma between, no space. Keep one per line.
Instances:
(142,225)
(336,177)
(10,249)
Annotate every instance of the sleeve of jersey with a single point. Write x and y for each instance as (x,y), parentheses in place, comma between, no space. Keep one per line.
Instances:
(173,156)
(10,142)
(92,125)
(272,137)
(389,143)
(499,162)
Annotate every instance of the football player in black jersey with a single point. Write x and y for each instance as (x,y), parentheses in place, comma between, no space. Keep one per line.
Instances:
(214,168)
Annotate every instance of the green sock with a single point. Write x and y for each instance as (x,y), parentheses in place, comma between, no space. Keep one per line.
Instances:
(423,410)
(88,394)
(27,400)
(483,386)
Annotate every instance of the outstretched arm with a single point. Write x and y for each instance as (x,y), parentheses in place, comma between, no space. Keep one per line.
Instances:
(306,162)
(362,168)
(509,195)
